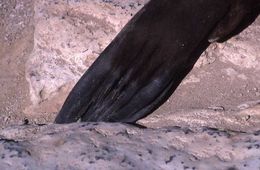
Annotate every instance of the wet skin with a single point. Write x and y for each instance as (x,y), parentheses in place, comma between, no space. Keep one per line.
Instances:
(145,63)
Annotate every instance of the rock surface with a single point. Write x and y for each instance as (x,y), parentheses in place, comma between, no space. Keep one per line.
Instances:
(117,146)
(247,119)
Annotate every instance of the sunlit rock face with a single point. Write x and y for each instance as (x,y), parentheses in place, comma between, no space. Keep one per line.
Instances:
(52,43)
(119,146)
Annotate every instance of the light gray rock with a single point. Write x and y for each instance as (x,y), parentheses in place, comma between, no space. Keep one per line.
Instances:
(56,41)
(118,146)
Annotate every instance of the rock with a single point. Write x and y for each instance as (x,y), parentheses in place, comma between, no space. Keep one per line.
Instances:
(119,146)
(244,120)
(56,41)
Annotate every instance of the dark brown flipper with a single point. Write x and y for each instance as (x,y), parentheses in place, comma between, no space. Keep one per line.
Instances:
(241,14)
(146,62)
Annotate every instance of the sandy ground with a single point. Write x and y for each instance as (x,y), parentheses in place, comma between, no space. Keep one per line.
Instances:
(16,43)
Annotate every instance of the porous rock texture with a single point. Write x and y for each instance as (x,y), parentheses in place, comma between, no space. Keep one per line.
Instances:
(118,146)
(211,122)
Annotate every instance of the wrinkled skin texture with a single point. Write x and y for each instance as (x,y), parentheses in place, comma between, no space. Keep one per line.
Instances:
(149,58)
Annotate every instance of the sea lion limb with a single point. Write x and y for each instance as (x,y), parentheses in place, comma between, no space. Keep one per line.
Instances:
(149,58)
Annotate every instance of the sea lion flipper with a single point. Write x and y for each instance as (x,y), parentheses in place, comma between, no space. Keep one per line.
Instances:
(87,95)
(241,14)
(146,62)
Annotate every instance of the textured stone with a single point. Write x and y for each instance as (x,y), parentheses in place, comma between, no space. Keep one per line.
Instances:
(56,41)
(118,146)
(245,119)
